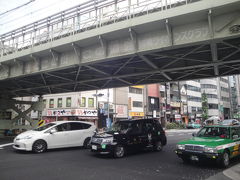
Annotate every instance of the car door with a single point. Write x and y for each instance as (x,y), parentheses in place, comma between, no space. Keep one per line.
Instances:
(235,135)
(60,137)
(134,135)
(78,133)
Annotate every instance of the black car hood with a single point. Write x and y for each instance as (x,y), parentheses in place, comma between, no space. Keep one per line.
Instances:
(107,134)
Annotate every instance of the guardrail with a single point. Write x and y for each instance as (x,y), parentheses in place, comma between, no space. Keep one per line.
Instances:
(86,16)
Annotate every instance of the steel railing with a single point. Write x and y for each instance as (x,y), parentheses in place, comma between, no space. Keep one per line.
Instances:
(86,16)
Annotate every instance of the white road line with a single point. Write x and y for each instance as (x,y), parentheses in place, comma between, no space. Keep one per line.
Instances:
(3,145)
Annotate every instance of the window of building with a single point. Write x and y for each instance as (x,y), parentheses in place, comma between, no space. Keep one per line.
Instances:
(208,86)
(69,102)
(135,90)
(224,80)
(90,102)
(59,104)
(193,88)
(83,102)
(224,89)
(193,98)
(213,96)
(45,103)
(51,103)
(212,106)
(137,104)
(227,99)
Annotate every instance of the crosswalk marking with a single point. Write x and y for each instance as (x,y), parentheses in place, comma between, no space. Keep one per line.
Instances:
(3,145)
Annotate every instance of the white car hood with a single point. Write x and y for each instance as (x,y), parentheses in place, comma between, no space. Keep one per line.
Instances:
(28,133)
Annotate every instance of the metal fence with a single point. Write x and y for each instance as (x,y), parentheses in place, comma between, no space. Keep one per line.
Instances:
(90,15)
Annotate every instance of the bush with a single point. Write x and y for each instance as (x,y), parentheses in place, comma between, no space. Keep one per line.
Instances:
(174,125)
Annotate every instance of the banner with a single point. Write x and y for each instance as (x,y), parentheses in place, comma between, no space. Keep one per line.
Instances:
(72,112)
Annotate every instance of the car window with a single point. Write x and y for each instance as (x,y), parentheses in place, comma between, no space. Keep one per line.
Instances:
(148,127)
(235,131)
(79,126)
(63,127)
(136,128)
(220,132)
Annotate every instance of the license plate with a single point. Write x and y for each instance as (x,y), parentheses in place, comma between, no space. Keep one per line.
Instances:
(94,147)
(194,158)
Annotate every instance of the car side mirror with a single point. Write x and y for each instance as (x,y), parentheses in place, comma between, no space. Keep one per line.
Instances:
(235,136)
(52,131)
(194,134)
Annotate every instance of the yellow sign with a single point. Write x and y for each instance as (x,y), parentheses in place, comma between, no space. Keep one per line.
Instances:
(140,87)
(136,114)
(41,122)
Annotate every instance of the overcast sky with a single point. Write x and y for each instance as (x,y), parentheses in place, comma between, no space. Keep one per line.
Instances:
(34,11)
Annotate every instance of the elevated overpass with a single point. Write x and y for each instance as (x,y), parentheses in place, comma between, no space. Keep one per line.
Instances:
(152,41)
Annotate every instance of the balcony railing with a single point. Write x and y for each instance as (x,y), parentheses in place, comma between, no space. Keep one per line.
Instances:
(84,17)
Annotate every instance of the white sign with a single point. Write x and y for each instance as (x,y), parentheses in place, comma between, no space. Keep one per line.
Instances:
(121,111)
(72,112)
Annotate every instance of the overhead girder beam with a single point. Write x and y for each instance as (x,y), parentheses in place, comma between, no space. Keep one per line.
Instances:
(180,58)
(139,74)
(59,77)
(126,63)
(147,61)
(45,83)
(214,57)
(177,59)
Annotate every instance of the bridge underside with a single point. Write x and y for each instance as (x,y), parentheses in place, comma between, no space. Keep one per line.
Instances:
(186,63)
(184,43)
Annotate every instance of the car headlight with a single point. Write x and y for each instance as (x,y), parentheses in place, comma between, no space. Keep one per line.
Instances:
(181,146)
(107,141)
(210,149)
(27,137)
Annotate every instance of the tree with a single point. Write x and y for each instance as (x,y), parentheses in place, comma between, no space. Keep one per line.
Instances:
(204,106)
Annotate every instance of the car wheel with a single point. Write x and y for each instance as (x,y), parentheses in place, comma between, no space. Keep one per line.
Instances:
(224,161)
(158,146)
(119,151)
(86,143)
(39,146)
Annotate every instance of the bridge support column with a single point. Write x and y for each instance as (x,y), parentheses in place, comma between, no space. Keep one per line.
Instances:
(22,113)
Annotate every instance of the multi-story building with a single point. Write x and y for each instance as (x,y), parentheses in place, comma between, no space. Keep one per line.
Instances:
(210,88)
(136,102)
(235,95)
(192,103)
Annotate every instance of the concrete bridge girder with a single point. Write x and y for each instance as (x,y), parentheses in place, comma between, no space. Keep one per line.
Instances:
(165,47)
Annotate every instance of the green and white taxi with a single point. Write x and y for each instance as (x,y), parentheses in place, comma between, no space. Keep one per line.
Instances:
(216,142)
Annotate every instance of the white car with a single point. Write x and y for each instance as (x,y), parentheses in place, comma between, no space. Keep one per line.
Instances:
(57,134)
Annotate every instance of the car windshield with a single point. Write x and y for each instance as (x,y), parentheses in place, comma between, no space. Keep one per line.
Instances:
(46,126)
(121,127)
(220,132)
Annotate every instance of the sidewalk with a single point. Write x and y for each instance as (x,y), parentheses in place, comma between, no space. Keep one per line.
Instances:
(232,173)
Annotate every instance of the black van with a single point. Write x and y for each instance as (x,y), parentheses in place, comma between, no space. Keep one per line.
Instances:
(129,134)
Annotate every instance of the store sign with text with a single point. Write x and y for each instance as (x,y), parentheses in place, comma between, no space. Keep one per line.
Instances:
(72,112)
(136,114)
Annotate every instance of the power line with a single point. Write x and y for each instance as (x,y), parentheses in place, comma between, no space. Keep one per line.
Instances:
(17,7)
